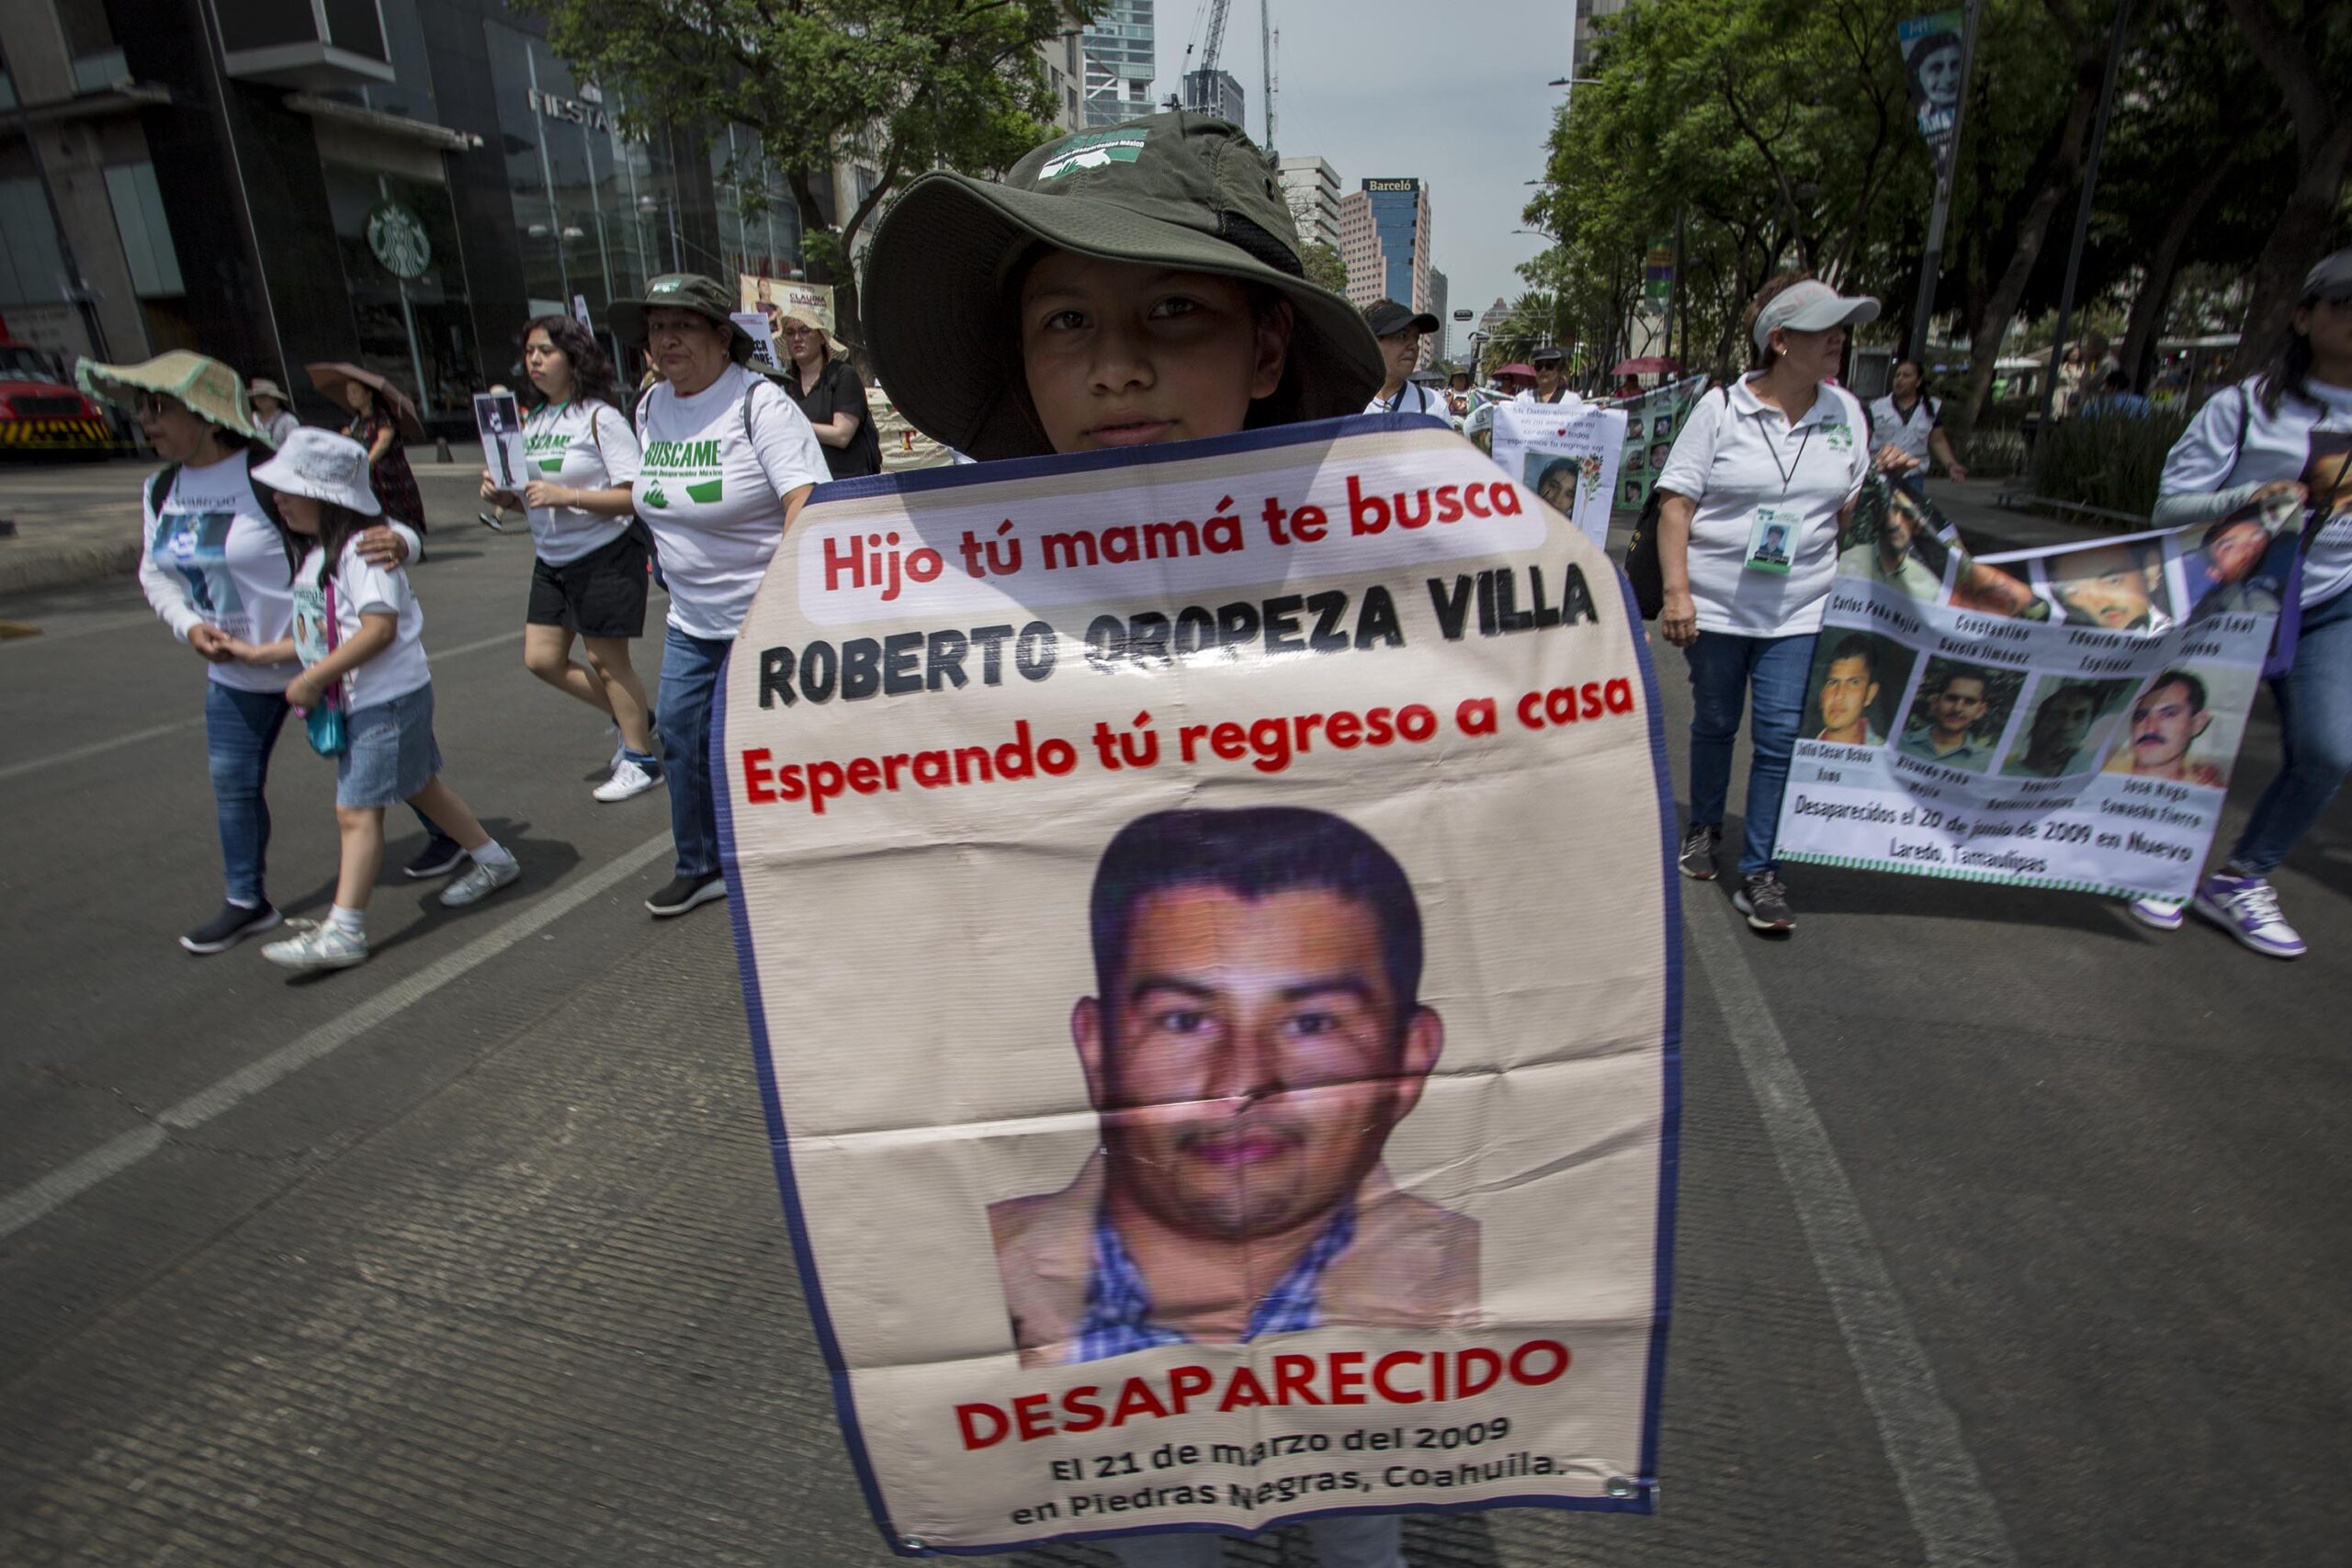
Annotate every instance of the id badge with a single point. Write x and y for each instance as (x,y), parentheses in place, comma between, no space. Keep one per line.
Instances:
(1772,540)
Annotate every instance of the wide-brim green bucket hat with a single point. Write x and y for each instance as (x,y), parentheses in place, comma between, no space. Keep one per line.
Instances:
(1171,190)
(210,390)
(682,291)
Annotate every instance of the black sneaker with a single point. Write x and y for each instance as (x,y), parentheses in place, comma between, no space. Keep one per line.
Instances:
(685,892)
(1765,903)
(1698,858)
(229,927)
(439,857)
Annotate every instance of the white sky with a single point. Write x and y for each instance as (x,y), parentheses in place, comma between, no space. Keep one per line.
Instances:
(1452,92)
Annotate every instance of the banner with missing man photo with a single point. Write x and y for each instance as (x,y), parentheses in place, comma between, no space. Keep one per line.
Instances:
(1566,452)
(1194,1104)
(2064,718)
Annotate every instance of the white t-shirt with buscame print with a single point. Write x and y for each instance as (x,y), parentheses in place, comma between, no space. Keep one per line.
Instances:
(714,499)
(580,446)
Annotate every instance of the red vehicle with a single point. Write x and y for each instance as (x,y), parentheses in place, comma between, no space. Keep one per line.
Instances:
(41,412)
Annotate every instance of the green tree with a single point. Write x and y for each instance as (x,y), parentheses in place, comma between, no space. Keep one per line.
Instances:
(2306,45)
(1324,267)
(903,86)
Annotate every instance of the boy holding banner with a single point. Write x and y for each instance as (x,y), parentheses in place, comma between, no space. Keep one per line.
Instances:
(1121,287)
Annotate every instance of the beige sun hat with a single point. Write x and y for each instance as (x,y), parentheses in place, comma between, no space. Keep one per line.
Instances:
(262,387)
(808,318)
(210,390)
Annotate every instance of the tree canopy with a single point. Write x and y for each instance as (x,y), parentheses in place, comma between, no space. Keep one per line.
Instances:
(1782,132)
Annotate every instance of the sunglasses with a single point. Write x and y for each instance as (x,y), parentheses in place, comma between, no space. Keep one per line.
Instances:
(155,404)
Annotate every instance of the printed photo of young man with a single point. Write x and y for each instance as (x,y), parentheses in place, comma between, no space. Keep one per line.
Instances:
(1856,681)
(2117,587)
(2066,730)
(2167,720)
(1255,1036)
(1955,718)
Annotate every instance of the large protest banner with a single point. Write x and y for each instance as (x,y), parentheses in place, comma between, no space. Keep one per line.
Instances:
(2063,717)
(1653,420)
(1566,452)
(1194,1104)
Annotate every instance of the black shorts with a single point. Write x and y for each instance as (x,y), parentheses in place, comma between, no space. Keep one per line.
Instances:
(601,594)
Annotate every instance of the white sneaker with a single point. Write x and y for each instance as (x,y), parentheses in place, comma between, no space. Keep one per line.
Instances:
(631,778)
(2159,914)
(322,947)
(480,882)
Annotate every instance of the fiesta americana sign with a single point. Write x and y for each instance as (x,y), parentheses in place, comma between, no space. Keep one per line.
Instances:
(586,110)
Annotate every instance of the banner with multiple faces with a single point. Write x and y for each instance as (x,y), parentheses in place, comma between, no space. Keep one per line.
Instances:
(1653,420)
(1192,1106)
(2064,718)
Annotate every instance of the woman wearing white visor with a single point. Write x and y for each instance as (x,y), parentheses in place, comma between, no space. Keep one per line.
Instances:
(1755,488)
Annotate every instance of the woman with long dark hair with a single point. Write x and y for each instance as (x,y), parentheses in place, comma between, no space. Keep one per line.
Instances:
(376,427)
(2283,437)
(589,578)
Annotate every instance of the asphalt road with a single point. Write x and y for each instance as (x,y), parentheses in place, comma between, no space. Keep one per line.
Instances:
(2010,1233)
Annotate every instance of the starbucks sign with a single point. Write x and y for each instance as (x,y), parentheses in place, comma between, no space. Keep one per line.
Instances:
(398,237)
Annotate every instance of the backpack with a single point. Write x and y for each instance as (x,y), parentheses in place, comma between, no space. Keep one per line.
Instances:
(159,488)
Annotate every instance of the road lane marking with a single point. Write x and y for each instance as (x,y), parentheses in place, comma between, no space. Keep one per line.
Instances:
(57,759)
(119,1154)
(1955,1514)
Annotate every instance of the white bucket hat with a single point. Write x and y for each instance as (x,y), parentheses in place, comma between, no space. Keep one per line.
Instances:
(323,466)
(1811,307)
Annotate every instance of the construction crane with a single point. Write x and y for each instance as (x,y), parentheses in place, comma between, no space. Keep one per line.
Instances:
(1208,43)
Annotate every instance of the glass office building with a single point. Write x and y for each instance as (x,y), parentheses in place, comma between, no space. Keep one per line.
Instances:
(403,184)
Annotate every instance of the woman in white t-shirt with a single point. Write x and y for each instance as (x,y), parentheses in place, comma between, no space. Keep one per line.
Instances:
(219,573)
(589,576)
(2284,435)
(359,632)
(727,459)
(1753,493)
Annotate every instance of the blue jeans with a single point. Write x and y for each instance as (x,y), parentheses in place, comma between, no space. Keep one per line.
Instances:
(2314,699)
(1723,667)
(690,668)
(240,729)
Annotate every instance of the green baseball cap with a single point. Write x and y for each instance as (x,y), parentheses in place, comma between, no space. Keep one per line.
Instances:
(682,291)
(1174,190)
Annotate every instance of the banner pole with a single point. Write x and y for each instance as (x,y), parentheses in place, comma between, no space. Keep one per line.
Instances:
(1931,257)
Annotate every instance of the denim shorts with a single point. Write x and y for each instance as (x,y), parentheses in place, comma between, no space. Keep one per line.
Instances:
(391,755)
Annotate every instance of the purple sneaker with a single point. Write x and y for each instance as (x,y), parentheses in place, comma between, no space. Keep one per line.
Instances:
(2247,907)
(2159,914)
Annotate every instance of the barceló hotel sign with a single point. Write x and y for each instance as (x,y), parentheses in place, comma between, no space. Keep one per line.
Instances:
(1392,184)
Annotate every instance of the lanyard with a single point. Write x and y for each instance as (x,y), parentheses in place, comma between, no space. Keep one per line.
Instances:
(1397,402)
(1789,474)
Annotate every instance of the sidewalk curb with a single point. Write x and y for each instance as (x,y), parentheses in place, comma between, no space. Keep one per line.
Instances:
(67,566)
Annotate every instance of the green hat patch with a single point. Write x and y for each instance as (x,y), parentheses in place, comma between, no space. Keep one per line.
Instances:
(1092,150)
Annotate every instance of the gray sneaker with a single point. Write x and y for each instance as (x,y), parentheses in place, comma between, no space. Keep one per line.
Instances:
(1698,859)
(321,947)
(1765,903)
(480,882)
